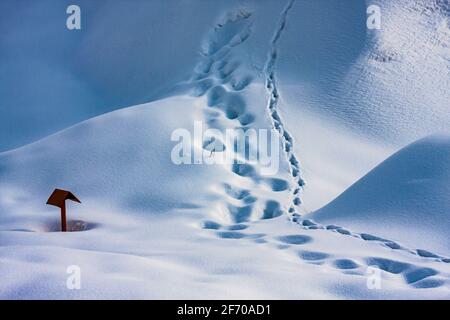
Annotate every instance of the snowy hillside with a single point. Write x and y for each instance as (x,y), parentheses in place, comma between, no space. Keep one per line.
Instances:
(349,189)
(172,231)
(406,194)
(389,84)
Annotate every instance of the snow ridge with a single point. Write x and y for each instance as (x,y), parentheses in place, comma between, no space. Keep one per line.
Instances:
(273,103)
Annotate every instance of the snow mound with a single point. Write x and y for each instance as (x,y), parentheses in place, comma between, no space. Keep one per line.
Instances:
(122,161)
(405,198)
(155,229)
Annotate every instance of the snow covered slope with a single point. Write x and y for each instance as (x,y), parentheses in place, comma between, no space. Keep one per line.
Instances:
(351,96)
(177,231)
(153,229)
(406,198)
(389,84)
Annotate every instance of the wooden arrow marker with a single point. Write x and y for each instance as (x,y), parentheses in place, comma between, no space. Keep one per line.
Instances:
(58,199)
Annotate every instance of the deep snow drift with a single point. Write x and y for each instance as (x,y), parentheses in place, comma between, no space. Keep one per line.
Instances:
(171,231)
(405,198)
(155,229)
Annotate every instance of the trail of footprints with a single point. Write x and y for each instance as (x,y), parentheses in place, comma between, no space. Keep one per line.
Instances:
(277,123)
(216,78)
(311,225)
(416,276)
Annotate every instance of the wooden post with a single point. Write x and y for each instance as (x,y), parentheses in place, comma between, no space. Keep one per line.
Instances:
(63,217)
(58,199)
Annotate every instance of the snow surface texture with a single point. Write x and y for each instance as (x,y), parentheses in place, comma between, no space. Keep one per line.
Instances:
(410,189)
(153,229)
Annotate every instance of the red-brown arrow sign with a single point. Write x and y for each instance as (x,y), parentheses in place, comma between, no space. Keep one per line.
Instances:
(58,199)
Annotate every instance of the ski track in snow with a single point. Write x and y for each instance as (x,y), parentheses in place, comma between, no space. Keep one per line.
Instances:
(215,78)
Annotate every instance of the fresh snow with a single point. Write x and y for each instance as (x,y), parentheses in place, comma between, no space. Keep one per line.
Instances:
(376,197)
(405,198)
